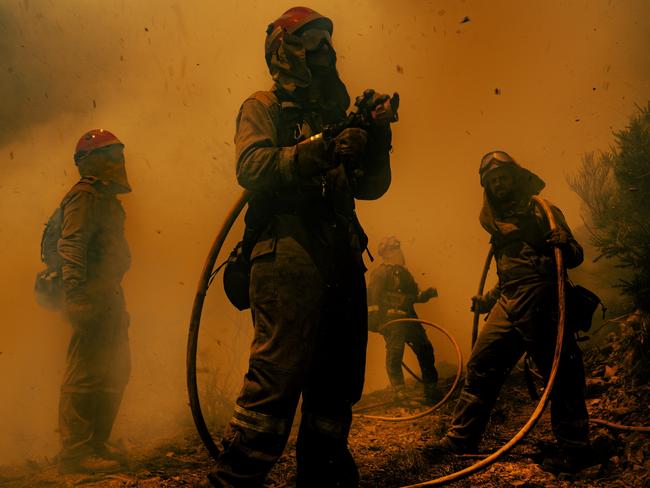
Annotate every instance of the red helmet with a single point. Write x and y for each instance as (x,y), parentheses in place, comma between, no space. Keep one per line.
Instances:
(289,22)
(92,140)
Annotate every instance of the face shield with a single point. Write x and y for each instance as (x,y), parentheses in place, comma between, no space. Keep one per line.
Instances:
(390,251)
(107,164)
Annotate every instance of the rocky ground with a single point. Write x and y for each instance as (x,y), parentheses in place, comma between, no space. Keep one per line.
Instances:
(388,453)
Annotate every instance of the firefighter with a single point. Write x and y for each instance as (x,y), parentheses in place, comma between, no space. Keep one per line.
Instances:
(523,315)
(392,292)
(307,288)
(94,257)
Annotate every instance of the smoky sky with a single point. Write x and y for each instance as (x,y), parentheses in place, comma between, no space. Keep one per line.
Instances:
(546,81)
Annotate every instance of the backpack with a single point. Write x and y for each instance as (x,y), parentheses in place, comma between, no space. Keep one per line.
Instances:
(581,304)
(48,287)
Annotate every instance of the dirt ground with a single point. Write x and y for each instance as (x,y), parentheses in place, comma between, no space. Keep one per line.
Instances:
(388,454)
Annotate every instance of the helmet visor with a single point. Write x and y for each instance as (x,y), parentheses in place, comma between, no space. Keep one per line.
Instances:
(493,160)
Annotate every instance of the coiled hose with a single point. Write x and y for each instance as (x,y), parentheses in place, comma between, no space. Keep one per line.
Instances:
(459,370)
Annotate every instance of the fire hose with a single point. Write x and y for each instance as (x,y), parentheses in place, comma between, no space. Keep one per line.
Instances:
(459,370)
(195,323)
(193,336)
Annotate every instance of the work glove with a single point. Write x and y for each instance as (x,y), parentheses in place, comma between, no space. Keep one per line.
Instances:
(379,106)
(382,111)
(482,303)
(314,156)
(558,237)
(428,294)
(350,145)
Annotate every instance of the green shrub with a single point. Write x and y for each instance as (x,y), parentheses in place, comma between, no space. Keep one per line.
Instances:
(615,188)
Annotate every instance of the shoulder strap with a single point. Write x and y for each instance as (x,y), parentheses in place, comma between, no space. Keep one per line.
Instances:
(267,98)
(283,113)
(85,184)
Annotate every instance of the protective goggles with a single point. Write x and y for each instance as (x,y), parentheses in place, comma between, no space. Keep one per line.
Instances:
(313,39)
(494,159)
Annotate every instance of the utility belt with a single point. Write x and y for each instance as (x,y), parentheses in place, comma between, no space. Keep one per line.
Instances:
(339,233)
(307,201)
(395,312)
(510,289)
(332,216)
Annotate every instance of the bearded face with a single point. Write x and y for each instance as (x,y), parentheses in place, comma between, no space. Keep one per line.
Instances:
(500,184)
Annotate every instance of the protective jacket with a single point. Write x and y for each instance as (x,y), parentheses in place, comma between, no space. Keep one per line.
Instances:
(392,290)
(92,247)
(320,208)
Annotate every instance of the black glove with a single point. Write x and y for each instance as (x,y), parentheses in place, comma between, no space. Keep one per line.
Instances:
(428,294)
(558,237)
(350,144)
(314,156)
(482,303)
(382,108)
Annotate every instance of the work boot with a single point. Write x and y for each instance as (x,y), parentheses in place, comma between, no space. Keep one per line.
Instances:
(432,394)
(444,446)
(90,463)
(399,394)
(571,460)
(108,450)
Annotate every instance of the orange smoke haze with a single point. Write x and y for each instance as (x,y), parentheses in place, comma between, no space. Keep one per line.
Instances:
(546,81)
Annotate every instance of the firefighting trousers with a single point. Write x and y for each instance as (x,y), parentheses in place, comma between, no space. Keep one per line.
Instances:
(97,371)
(506,336)
(310,339)
(397,336)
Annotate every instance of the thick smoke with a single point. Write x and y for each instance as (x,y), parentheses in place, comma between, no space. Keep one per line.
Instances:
(545,82)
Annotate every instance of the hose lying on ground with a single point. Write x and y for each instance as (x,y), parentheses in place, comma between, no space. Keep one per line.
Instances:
(615,426)
(459,370)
